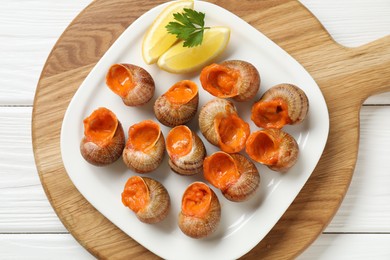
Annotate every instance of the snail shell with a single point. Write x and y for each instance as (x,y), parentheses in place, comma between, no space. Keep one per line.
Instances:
(104,138)
(147,198)
(186,151)
(274,148)
(200,211)
(235,79)
(280,105)
(222,127)
(178,105)
(132,83)
(235,175)
(145,147)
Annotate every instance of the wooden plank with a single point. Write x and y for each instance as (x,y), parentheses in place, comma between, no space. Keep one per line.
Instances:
(353,23)
(378,99)
(366,206)
(41,246)
(28,31)
(349,247)
(23,204)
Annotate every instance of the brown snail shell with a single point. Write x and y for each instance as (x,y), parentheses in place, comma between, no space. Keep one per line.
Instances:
(235,79)
(147,198)
(207,115)
(145,147)
(104,138)
(178,105)
(235,175)
(280,105)
(186,151)
(274,148)
(222,127)
(200,211)
(132,83)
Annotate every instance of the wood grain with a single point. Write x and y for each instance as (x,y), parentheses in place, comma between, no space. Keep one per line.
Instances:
(346,77)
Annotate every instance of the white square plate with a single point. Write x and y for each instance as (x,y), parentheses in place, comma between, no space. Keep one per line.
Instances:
(242,225)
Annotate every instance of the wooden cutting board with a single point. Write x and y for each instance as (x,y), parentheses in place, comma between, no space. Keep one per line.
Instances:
(346,76)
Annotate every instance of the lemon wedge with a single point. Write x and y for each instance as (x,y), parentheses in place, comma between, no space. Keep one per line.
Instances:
(179,59)
(157,40)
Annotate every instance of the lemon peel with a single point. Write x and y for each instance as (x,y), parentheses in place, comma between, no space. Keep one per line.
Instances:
(179,59)
(157,40)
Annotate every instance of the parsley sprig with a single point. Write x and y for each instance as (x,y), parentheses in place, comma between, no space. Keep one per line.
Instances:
(189,27)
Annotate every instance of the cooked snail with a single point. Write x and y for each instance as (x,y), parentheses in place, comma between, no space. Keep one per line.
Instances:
(186,151)
(235,79)
(104,138)
(147,198)
(178,105)
(274,148)
(200,211)
(222,127)
(280,105)
(132,83)
(235,175)
(145,147)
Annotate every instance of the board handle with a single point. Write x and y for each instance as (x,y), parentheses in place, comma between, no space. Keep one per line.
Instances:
(370,67)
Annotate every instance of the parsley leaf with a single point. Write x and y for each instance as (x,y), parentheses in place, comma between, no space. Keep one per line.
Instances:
(189,27)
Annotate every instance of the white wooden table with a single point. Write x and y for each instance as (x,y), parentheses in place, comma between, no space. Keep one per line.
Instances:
(29,228)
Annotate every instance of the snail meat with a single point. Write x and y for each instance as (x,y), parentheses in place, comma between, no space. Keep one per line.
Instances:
(147,198)
(178,105)
(280,105)
(235,79)
(235,175)
(104,138)
(186,151)
(222,127)
(274,148)
(145,147)
(132,83)
(200,211)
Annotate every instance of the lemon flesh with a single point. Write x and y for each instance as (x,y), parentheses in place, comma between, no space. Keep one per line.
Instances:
(179,59)
(157,40)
